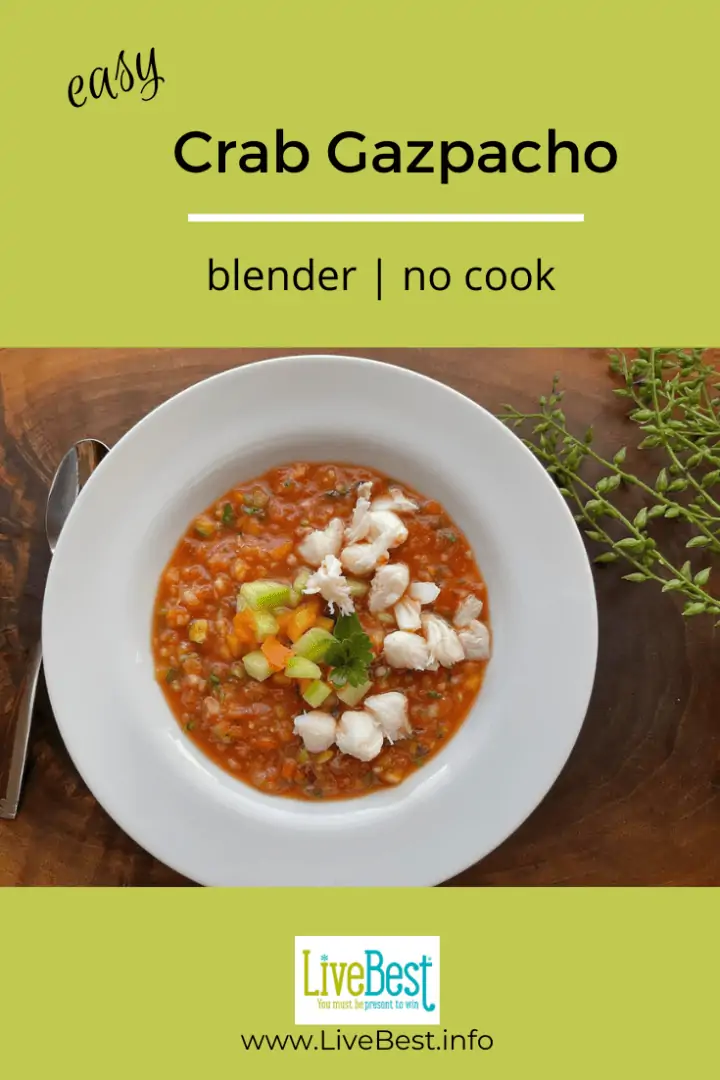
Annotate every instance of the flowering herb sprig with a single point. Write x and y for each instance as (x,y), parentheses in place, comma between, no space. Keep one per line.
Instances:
(675,404)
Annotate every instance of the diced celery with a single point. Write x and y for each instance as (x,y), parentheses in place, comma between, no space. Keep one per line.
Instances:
(352,695)
(299,667)
(301,581)
(316,693)
(263,595)
(266,625)
(357,588)
(257,666)
(314,643)
(197,630)
(295,598)
(240,603)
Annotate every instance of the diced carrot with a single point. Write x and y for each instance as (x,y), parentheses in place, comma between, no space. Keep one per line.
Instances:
(325,623)
(303,684)
(252,526)
(266,743)
(303,618)
(278,679)
(282,550)
(276,654)
(289,768)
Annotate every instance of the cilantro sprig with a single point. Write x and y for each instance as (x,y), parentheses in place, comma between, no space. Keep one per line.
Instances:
(351,654)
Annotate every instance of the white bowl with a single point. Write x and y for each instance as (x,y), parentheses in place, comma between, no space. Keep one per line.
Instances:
(97,616)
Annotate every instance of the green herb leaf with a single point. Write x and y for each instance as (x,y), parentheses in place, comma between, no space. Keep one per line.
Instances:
(351,655)
(228,514)
(673,585)
(698,542)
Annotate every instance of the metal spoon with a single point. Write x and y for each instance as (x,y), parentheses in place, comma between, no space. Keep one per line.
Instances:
(72,473)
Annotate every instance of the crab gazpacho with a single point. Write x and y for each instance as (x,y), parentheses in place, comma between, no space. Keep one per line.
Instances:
(321,631)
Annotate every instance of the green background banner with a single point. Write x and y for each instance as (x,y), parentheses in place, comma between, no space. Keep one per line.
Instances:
(567,983)
(97,249)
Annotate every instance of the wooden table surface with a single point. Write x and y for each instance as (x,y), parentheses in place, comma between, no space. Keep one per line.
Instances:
(637,804)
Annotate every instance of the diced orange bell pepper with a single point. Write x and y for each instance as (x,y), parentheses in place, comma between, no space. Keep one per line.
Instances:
(234,645)
(244,627)
(283,618)
(275,653)
(325,623)
(303,618)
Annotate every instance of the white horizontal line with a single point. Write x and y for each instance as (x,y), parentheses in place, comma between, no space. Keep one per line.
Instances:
(389,219)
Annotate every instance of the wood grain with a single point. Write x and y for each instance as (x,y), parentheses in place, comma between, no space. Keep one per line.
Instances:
(637,804)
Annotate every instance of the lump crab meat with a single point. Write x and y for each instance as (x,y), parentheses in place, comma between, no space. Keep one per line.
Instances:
(475,640)
(407,614)
(363,558)
(316,729)
(387,523)
(391,713)
(425,592)
(468,610)
(329,582)
(359,735)
(360,521)
(444,644)
(388,585)
(405,650)
(322,542)
(395,500)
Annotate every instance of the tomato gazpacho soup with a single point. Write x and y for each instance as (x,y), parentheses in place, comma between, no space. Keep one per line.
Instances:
(317,631)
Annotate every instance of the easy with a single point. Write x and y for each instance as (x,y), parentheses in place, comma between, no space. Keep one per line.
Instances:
(98,82)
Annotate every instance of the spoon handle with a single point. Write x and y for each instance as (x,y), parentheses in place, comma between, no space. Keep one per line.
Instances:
(20,720)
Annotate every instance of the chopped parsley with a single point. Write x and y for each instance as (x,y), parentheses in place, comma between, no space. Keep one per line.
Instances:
(228,514)
(253,510)
(434,694)
(172,675)
(216,685)
(351,655)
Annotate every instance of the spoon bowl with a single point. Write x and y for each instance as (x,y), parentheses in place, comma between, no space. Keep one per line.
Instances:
(70,477)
